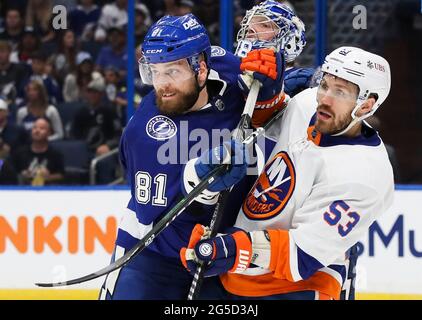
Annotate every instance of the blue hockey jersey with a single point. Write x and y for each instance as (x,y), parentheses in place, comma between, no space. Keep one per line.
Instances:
(154,148)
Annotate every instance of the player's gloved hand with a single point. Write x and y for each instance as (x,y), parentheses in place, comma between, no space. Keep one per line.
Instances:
(230,252)
(233,153)
(298,80)
(266,66)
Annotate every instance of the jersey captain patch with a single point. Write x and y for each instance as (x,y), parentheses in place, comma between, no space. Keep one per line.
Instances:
(272,190)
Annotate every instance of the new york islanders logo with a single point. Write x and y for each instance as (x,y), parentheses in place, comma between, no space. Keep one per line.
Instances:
(273,189)
(161,128)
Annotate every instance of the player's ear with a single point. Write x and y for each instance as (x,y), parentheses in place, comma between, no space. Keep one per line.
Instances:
(367,106)
(203,72)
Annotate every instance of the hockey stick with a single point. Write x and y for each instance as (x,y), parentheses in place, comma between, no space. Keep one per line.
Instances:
(164,222)
(150,236)
(240,132)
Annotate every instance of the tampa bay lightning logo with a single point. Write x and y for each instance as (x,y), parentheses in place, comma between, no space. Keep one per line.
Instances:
(161,128)
(217,51)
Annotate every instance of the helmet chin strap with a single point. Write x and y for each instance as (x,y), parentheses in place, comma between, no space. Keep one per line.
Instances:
(352,123)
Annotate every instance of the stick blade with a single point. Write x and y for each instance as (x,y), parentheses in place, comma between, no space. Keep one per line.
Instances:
(104,271)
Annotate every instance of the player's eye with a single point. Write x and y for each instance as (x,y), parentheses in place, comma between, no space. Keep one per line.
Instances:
(340,93)
(173,72)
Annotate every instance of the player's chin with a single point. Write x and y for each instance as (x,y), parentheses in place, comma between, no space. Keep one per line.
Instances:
(170,108)
(325,127)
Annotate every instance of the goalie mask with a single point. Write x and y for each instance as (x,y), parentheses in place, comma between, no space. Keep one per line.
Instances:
(267,25)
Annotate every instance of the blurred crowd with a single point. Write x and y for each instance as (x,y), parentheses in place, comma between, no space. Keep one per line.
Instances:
(63,91)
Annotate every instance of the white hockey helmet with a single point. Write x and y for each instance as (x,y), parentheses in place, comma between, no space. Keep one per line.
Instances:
(370,72)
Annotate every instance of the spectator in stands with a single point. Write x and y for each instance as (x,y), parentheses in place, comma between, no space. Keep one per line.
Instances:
(69,4)
(9,4)
(170,8)
(208,12)
(8,174)
(11,135)
(115,53)
(38,16)
(39,72)
(156,8)
(142,22)
(13,29)
(116,92)
(85,14)
(112,15)
(75,84)
(38,163)
(184,7)
(97,122)
(12,75)
(112,81)
(38,107)
(64,61)
(28,44)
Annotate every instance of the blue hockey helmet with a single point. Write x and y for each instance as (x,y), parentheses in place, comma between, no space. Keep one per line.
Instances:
(176,37)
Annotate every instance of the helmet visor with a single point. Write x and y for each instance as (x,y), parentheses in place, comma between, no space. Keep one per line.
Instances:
(337,89)
(162,73)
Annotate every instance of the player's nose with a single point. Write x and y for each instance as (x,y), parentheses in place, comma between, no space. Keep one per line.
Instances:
(326,98)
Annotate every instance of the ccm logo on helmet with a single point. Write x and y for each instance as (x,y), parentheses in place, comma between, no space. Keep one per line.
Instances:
(190,24)
(154,51)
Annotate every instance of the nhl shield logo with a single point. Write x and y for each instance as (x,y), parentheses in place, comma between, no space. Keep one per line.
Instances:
(273,189)
(161,128)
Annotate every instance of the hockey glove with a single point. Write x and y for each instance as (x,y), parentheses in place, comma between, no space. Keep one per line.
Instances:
(230,252)
(234,154)
(298,80)
(266,66)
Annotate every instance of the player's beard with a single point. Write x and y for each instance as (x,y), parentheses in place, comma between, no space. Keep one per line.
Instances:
(183,101)
(336,124)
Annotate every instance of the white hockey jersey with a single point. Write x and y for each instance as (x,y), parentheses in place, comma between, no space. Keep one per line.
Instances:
(319,194)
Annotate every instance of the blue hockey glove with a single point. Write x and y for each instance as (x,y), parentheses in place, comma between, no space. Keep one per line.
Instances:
(298,80)
(233,153)
(266,66)
(230,252)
